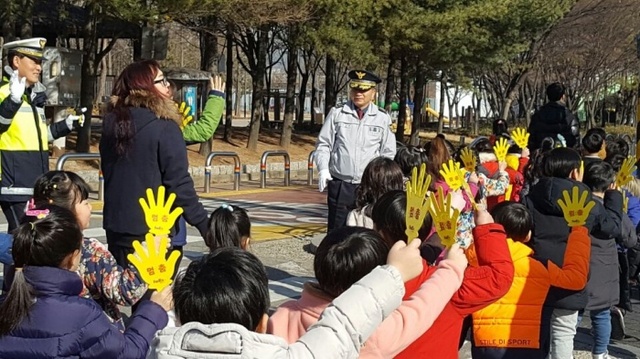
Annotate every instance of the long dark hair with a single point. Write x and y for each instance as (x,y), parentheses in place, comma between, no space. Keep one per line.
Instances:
(44,242)
(60,188)
(138,77)
(227,226)
(379,177)
(439,152)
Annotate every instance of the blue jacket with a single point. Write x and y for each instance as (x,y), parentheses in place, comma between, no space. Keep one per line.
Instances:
(157,156)
(63,325)
(633,208)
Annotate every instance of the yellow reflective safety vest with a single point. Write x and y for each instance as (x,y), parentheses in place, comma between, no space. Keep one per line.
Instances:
(24,146)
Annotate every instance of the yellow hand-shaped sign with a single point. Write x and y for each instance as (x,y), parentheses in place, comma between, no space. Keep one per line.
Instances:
(507,194)
(158,214)
(155,269)
(500,149)
(624,175)
(576,209)
(417,201)
(444,220)
(469,159)
(452,175)
(521,137)
(185,111)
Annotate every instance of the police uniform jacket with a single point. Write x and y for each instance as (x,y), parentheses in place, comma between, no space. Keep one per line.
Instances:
(24,141)
(346,144)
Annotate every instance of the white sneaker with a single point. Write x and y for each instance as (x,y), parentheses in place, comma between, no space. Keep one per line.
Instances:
(600,356)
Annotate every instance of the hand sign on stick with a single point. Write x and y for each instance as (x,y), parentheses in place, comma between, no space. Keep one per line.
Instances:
(151,262)
(158,214)
(469,159)
(576,208)
(445,218)
(625,174)
(500,149)
(417,201)
(521,137)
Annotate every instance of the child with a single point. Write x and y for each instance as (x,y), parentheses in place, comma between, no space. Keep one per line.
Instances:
(440,152)
(494,176)
(379,177)
(346,255)
(43,315)
(594,146)
(561,169)
(481,286)
(506,328)
(604,285)
(222,302)
(103,279)
(229,226)
(408,157)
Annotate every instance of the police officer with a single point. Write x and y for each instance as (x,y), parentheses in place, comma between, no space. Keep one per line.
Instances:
(24,133)
(352,135)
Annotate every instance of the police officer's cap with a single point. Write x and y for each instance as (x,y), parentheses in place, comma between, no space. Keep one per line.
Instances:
(363,80)
(33,47)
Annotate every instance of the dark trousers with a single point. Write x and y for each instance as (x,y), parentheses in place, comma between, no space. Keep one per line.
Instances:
(340,199)
(120,254)
(14,212)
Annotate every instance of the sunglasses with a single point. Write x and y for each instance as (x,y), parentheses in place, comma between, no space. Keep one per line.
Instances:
(162,81)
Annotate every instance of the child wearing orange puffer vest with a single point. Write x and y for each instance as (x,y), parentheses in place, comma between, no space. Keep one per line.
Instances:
(518,324)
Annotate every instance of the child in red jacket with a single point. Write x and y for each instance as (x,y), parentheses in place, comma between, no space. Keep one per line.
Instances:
(481,286)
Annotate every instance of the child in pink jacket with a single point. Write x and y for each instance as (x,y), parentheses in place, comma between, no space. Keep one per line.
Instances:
(346,255)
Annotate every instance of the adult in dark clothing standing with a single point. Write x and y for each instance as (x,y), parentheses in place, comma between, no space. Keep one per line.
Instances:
(553,119)
(142,147)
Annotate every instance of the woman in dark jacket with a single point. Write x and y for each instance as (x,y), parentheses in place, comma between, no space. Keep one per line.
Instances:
(43,315)
(142,147)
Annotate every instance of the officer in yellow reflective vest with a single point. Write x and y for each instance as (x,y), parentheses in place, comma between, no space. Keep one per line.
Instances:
(24,132)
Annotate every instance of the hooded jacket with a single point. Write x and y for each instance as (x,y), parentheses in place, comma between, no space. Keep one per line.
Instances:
(61,324)
(551,232)
(604,284)
(157,156)
(343,328)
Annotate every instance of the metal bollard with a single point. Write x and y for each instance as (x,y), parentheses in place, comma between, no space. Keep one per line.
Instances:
(83,157)
(236,169)
(310,168)
(263,167)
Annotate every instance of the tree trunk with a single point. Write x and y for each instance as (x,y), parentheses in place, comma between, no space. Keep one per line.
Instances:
(443,90)
(26,21)
(302,96)
(209,46)
(209,63)
(290,101)
(87,85)
(228,119)
(391,82)
(418,104)
(9,18)
(402,114)
(257,86)
(330,95)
